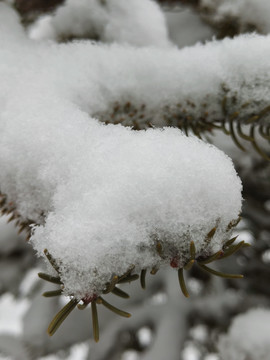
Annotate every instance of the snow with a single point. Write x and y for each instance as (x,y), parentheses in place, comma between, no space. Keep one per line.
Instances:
(191,353)
(186,28)
(247,12)
(145,336)
(116,212)
(248,337)
(102,196)
(134,22)
(11,314)
(76,352)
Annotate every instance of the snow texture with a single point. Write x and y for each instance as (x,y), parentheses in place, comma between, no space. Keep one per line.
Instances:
(192,83)
(102,196)
(248,337)
(134,22)
(252,13)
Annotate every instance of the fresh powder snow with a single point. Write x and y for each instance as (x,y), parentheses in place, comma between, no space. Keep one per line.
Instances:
(102,196)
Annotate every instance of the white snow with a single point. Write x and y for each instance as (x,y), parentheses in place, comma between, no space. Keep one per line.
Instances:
(76,352)
(246,12)
(139,23)
(186,28)
(248,337)
(11,314)
(103,195)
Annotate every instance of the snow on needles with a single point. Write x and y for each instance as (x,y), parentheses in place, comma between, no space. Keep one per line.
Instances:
(102,195)
(248,337)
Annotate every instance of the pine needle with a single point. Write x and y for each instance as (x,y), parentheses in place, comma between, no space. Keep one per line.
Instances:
(230,242)
(95,321)
(211,258)
(118,292)
(154,270)
(182,282)
(232,249)
(142,278)
(218,273)
(233,223)
(61,316)
(189,265)
(52,293)
(100,300)
(111,285)
(128,278)
(192,250)
(52,279)
(51,260)
(82,306)
(255,145)
(159,248)
(210,235)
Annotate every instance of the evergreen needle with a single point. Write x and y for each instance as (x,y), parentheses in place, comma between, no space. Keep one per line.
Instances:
(61,316)
(128,278)
(221,274)
(52,279)
(95,321)
(121,293)
(100,300)
(52,293)
(182,282)
(142,279)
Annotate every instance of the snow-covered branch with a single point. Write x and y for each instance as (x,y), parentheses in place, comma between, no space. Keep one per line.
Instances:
(229,17)
(104,190)
(236,16)
(95,193)
(216,94)
(139,23)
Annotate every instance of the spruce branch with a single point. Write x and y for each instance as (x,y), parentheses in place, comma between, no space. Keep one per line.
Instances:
(201,259)
(99,194)
(245,126)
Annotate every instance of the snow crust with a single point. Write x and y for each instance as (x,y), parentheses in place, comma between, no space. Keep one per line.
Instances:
(248,337)
(139,23)
(102,196)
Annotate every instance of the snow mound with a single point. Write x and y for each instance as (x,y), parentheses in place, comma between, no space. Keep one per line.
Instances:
(103,196)
(248,337)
